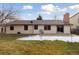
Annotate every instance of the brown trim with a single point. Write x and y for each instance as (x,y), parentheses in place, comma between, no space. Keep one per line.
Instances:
(37,24)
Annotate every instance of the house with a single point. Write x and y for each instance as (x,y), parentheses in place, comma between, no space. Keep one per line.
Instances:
(38,26)
(75,21)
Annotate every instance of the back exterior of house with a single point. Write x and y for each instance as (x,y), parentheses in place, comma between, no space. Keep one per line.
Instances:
(37,27)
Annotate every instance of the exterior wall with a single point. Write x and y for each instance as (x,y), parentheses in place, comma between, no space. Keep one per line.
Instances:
(41,27)
(19,29)
(31,30)
(52,31)
(0,29)
(3,30)
(75,21)
(67,29)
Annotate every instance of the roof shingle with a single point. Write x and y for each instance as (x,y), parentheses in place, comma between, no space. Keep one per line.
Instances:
(39,22)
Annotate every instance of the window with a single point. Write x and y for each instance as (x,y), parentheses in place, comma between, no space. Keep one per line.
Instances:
(1,29)
(36,27)
(60,28)
(47,27)
(11,27)
(25,27)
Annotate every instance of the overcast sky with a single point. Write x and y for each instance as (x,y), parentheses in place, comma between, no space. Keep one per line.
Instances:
(48,11)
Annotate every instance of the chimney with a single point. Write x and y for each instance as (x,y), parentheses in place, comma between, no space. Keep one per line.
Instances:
(66,18)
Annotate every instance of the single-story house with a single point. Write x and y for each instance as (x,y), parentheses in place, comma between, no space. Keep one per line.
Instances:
(36,27)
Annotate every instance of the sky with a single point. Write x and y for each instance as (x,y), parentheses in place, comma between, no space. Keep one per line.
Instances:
(48,11)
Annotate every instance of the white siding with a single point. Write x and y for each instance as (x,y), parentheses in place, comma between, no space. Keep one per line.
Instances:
(52,31)
(31,30)
(3,29)
(41,27)
(75,21)
(67,29)
(19,29)
(0,29)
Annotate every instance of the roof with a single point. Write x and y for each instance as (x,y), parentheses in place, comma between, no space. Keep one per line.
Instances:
(74,15)
(38,22)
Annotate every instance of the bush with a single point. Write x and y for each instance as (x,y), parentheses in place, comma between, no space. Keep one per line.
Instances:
(75,31)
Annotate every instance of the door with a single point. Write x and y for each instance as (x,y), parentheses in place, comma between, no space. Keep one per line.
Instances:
(60,28)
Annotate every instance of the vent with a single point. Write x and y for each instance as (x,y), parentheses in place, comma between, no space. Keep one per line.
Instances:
(18,32)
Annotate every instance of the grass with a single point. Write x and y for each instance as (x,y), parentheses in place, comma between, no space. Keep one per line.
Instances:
(10,46)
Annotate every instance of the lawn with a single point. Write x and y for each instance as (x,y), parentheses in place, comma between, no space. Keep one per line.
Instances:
(10,46)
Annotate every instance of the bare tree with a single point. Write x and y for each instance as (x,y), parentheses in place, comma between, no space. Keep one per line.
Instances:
(8,12)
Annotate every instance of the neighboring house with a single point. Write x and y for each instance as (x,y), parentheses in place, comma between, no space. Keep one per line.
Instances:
(37,26)
(75,21)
